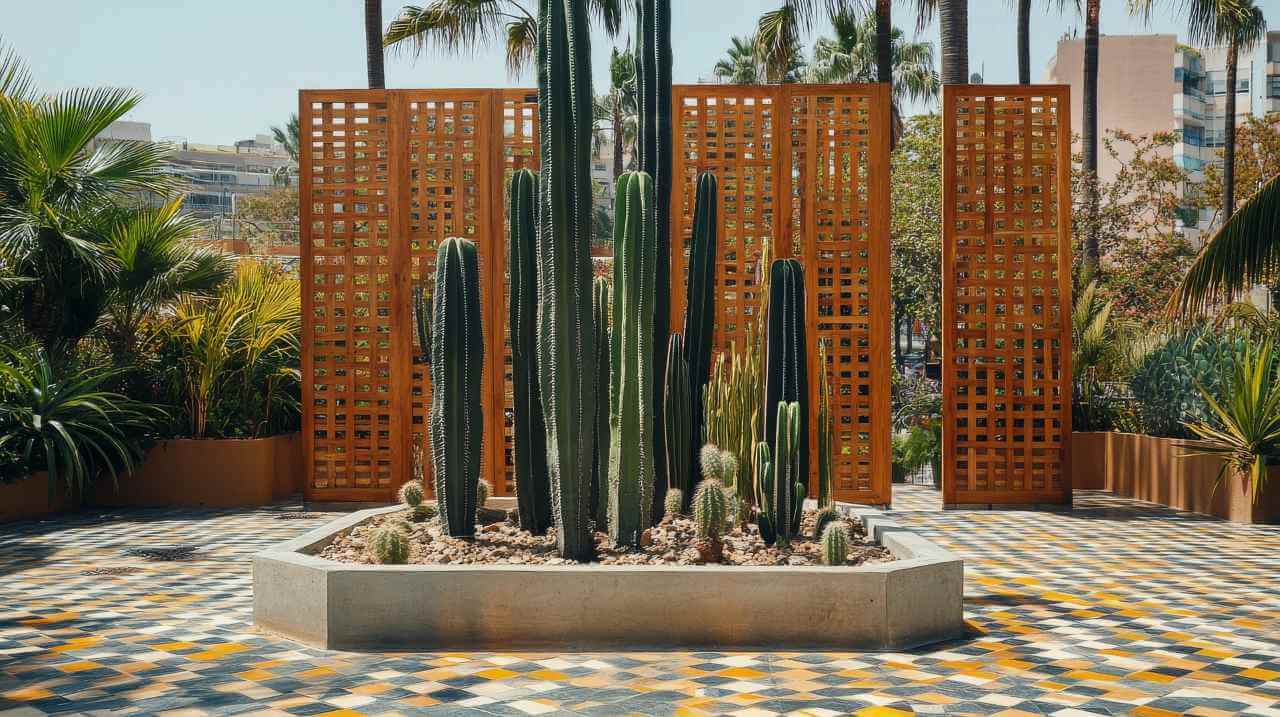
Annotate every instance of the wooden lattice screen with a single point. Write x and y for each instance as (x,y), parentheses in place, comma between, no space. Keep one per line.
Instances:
(805,167)
(1006,294)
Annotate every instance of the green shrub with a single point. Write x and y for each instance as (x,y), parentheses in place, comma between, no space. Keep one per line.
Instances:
(1167,382)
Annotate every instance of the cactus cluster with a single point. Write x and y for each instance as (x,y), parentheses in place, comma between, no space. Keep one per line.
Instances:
(601,301)
(719,464)
(678,407)
(455,421)
(631,456)
(710,509)
(533,482)
(786,377)
(777,471)
(731,410)
(389,546)
(566,332)
(835,544)
(826,432)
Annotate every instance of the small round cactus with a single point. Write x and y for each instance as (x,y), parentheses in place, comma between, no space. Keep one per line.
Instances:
(673,504)
(411,493)
(483,491)
(826,515)
(424,512)
(390,546)
(710,508)
(835,544)
(709,458)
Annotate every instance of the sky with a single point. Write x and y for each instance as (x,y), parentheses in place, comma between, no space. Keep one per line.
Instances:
(216,72)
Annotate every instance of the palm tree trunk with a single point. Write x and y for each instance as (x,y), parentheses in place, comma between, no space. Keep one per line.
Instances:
(953,21)
(884,47)
(373,43)
(1229,140)
(1024,42)
(618,130)
(1089,134)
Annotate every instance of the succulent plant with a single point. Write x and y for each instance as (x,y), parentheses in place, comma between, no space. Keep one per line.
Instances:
(835,544)
(731,410)
(825,515)
(389,546)
(483,491)
(673,504)
(1166,382)
(455,421)
(601,301)
(700,309)
(710,508)
(411,493)
(762,460)
(786,367)
(678,403)
(566,330)
(826,432)
(788,490)
(533,480)
(710,460)
(424,512)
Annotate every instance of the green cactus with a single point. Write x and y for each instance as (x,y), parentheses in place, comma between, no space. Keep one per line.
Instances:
(566,330)
(825,515)
(678,404)
(762,459)
(710,509)
(533,482)
(654,147)
(422,321)
(673,504)
(483,490)
(826,432)
(389,546)
(411,494)
(600,302)
(700,309)
(787,379)
(709,460)
(631,450)
(455,422)
(423,512)
(731,410)
(788,491)
(835,544)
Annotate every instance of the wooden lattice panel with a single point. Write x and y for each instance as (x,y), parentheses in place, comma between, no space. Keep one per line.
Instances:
(837,217)
(805,168)
(1007,294)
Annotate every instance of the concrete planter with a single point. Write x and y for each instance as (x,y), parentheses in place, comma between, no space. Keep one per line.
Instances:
(1158,470)
(913,601)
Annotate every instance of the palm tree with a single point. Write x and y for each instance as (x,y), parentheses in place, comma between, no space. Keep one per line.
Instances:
(373,43)
(1089,136)
(287,136)
(615,112)
(953,19)
(1024,41)
(853,56)
(778,32)
(458,26)
(740,66)
(884,41)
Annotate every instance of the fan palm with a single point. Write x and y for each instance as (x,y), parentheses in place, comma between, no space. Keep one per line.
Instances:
(460,26)
(287,136)
(615,112)
(740,66)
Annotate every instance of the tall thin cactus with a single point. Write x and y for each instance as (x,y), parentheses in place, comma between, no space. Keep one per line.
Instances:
(566,331)
(631,452)
(654,145)
(700,309)
(786,366)
(678,404)
(601,300)
(731,410)
(786,470)
(456,419)
(533,482)
(826,432)
(762,469)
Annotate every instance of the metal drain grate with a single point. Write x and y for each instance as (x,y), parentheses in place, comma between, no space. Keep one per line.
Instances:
(112,571)
(164,553)
(297,516)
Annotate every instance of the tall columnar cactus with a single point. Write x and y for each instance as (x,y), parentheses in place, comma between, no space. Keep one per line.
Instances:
(533,482)
(762,461)
(826,432)
(678,405)
(654,145)
(422,321)
(710,508)
(601,302)
(456,420)
(786,486)
(786,355)
(700,309)
(731,410)
(631,450)
(566,331)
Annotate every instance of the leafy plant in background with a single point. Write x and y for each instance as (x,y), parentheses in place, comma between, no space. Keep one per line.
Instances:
(1096,350)
(1244,429)
(1170,382)
(62,421)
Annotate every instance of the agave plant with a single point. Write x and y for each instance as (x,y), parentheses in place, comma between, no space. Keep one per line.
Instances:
(1244,430)
(62,421)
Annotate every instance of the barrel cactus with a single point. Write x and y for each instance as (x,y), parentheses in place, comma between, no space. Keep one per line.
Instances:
(631,450)
(601,301)
(835,544)
(533,481)
(389,546)
(411,494)
(455,422)
(678,404)
(566,332)
(710,509)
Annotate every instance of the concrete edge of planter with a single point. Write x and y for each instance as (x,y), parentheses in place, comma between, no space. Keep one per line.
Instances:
(914,600)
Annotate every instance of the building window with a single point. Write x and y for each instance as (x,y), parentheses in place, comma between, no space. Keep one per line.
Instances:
(1193,136)
(1273,50)
(1273,86)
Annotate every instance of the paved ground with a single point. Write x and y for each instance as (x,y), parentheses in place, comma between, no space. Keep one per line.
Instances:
(1115,607)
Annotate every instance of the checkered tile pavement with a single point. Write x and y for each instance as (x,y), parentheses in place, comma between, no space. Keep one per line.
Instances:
(1115,607)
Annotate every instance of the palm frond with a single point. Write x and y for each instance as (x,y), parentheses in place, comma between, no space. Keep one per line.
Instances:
(15,79)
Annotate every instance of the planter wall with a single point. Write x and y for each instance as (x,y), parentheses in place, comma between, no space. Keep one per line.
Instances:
(1154,469)
(31,499)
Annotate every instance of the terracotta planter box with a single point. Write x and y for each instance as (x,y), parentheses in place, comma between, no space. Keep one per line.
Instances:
(1155,470)
(216,473)
(30,498)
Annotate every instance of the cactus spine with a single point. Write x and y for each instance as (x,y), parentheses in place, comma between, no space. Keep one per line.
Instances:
(389,546)
(710,509)
(826,432)
(678,405)
(673,504)
(631,450)
(601,296)
(566,334)
(786,364)
(835,544)
(533,483)
(654,143)
(456,420)
(411,494)
(700,309)
(786,470)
